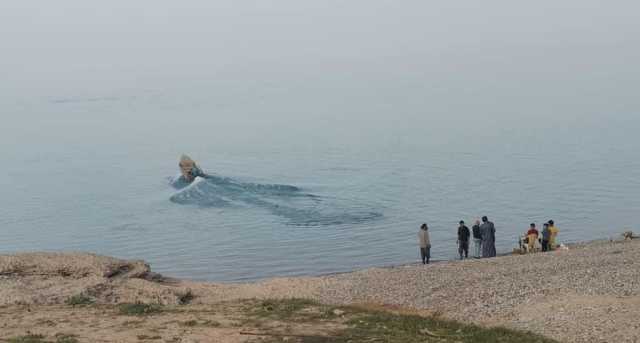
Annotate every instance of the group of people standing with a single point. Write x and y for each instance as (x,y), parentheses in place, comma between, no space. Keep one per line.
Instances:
(546,239)
(484,239)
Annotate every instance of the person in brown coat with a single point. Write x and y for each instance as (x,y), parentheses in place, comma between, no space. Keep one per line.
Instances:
(425,243)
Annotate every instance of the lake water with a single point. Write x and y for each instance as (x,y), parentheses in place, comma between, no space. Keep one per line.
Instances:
(78,183)
(378,133)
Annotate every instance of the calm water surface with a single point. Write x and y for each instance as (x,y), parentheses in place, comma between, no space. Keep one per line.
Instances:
(334,130)
(360,201)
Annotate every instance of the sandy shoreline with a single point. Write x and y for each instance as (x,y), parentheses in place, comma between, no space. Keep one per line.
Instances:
(590,293)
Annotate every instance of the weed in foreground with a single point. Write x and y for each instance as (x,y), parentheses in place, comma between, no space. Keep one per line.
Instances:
(290,310)
(27,339)
(146,337)
(32,338)
(62,338)
(189,323)
(79,300)
(139,309)
(186,297)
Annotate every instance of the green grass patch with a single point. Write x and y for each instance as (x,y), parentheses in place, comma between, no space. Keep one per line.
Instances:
(139,309)
(358,325)
(189,323)
(395,328)
(283,308)
(28,339)
(211,323)
(203,323)
(60,338)
(79,300)
(128,323)
(289,310)
(146,337)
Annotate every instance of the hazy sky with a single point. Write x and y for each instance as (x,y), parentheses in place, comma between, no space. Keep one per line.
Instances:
(493,57)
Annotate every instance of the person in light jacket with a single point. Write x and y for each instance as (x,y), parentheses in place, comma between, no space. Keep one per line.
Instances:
(425,243)
(477,239)
(532,237)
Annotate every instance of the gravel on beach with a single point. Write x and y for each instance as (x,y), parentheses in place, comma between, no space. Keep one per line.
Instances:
(589,293)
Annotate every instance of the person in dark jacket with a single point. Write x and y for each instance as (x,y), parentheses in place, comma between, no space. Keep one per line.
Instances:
(463,240)
(546,237)
(488,233)
(477,239)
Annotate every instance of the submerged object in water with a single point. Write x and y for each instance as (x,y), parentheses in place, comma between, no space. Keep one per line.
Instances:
(189,171)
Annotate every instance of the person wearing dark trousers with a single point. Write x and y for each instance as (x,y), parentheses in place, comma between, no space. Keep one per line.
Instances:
(425,243)
(463,240)
(546,237)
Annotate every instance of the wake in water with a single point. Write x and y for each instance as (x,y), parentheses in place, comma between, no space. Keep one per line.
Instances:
(289,202)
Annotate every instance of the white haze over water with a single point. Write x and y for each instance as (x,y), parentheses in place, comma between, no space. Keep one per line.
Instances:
(414,110)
